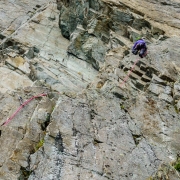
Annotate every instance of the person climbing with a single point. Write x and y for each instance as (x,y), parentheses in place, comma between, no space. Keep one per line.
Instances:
(140,45)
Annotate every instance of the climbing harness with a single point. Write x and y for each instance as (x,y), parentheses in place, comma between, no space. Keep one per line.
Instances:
(22,105)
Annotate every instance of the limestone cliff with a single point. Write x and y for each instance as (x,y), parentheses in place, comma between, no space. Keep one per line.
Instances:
(91,125)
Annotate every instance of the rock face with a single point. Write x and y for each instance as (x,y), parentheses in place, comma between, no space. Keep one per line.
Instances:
(100,119)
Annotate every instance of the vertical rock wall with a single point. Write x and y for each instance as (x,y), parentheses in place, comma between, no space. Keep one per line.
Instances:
(91,124)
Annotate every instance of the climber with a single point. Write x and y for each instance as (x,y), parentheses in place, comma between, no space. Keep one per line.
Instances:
(140,45)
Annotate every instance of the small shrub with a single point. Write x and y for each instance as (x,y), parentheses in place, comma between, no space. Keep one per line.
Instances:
(176,109)
(122,106)
(177,166)
(39,144)
(138,38)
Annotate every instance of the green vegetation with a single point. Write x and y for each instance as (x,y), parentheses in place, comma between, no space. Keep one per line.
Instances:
(53,108)
(166,171)
(150,178)
(176,109)
(177,166)
(138,38)
(122,106)
(39,144)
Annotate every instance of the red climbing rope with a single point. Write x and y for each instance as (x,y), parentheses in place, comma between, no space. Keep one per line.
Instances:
(23,104)
(126,78)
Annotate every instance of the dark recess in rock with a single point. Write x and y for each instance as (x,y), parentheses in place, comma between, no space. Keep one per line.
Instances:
(59,142)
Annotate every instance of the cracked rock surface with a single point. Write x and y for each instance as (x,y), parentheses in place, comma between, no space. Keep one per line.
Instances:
(100,119)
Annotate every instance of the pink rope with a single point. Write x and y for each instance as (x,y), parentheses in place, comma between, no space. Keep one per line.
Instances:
(126,78)
(25,103)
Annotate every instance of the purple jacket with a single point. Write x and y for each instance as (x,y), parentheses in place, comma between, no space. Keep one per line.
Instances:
(141,43)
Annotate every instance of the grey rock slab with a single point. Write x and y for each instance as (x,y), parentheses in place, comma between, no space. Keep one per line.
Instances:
(178,105)
(168,90)
(90,138)
(156,89)
(20,136)
(47,32)
(30,53)
(18,14)
(142,156)
(157,80)
(145,78)
(158,123)
(87,47)
(80,67)
(139,84)
(158,62)
(117,91)
(159,16)
(8,82)
(64,72)
(134,33)
(90,135)
(48,160)
(54,71)
(161,60)
(166,170)
(134,127)
(176,90)
(19,63)
(121,40)
(118,72)
(166,98)
(120,16)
